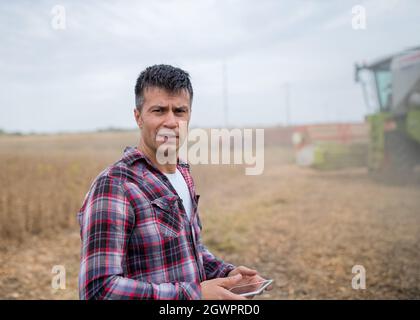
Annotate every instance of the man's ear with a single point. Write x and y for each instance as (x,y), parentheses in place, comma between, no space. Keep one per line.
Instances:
(137,117)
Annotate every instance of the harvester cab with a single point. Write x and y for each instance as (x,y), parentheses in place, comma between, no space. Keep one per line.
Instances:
(391,89)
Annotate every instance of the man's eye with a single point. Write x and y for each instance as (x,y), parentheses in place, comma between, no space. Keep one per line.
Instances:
(157,110)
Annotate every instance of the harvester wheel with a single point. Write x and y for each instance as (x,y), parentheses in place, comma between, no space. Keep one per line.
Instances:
(401,156)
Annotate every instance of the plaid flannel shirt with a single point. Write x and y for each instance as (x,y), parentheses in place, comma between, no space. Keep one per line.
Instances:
(137,241)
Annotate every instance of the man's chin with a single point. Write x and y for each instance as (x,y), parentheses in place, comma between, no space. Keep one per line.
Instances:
(166,147)
(167,154)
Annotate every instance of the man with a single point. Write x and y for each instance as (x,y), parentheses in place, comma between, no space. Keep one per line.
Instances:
(140,228)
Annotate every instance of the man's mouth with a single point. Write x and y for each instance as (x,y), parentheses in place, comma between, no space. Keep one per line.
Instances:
(164,137)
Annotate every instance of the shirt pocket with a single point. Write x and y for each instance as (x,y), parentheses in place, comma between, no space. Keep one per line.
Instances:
(168,216)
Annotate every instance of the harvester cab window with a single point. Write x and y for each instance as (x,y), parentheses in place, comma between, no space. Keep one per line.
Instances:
(384,88)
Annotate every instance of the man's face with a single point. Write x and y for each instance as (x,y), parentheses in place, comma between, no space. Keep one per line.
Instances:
(161,116)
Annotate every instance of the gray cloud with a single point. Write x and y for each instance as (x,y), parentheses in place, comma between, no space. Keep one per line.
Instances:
(82,78)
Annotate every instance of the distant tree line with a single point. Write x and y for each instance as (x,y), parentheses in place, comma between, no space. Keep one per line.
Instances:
(16,133)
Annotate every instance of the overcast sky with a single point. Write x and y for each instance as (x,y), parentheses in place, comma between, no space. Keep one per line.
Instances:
(82,77)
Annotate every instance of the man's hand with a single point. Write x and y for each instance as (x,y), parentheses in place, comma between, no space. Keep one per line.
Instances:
(248,276)
(243,271)
(218,289)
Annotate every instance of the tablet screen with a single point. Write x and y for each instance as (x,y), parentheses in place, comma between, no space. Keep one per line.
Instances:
(251,288)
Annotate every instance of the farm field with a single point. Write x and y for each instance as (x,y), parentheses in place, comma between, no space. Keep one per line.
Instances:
(306,229)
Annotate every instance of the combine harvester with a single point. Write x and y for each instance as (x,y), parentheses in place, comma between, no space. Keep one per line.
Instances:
(388,142)
(331,146)
(394,146)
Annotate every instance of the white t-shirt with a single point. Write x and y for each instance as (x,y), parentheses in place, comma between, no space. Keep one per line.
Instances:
(178,182)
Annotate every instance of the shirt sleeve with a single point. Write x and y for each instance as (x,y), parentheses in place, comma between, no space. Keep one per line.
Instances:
(106,221)
(213,266)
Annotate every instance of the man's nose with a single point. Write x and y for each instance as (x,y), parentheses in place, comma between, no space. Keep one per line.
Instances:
(170,120)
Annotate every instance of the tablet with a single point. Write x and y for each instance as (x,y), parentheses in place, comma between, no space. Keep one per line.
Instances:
(251,289)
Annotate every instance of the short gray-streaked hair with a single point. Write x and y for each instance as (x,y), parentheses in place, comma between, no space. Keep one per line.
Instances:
(165,77)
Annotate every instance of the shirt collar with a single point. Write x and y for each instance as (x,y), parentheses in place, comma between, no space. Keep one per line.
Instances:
(132,154)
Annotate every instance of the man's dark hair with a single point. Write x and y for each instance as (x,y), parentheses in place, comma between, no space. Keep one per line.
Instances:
(163,76)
